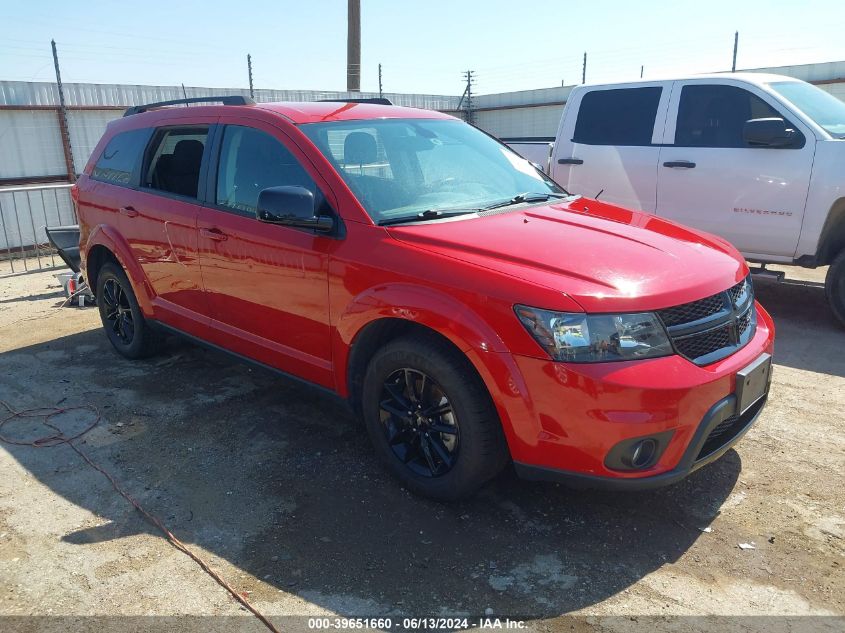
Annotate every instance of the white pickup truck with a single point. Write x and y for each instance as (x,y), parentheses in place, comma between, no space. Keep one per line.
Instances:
(757,159)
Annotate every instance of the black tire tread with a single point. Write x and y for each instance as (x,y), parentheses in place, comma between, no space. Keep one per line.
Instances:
(146,341)
(834,286)
(490,453)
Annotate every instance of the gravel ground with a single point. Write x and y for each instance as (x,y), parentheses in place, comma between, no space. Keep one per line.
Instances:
(276,487)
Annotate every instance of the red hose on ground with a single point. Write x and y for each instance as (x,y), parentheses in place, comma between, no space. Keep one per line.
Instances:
(58,438)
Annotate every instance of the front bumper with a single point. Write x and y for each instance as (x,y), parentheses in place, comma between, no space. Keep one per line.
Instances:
(563,420)
(695,456)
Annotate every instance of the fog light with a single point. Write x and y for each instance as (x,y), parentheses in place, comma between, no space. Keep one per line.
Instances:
(638,453)
(643,453)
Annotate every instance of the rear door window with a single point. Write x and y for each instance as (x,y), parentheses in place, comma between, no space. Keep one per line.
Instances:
(713,115)
(120,157)
(174,160)
(621,116)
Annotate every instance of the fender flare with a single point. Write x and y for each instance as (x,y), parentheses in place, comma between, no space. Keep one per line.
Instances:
(108,237)
(463,327)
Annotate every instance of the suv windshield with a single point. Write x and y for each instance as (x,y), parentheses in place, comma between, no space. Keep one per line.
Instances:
(822,107)
(399,168)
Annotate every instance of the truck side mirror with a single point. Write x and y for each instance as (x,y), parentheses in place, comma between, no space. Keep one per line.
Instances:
(769,132)
(291,206)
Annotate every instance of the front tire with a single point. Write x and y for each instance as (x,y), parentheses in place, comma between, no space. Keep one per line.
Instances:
(431,419)
(123,321)
(834,286)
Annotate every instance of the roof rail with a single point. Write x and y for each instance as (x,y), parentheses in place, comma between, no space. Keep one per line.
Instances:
(376,100)
(225,100)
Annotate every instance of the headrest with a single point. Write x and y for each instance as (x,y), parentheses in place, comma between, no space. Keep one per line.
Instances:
(188,150)
(359,148)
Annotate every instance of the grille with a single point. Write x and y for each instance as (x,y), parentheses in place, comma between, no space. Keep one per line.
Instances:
(721,435)
(743,322)
(699,345)
(714,327)
(738,291)
(727,430)
(694,311)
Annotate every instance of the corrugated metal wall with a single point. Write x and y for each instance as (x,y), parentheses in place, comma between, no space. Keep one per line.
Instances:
(85,128)
(31,144)
(21,93)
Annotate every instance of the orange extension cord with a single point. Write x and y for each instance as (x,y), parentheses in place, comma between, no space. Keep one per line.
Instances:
(46,414)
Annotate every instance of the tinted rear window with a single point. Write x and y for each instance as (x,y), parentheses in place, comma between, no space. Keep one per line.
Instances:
(622,116)
(121,155)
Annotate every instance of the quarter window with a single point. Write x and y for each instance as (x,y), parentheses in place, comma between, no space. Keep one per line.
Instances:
(250,161)
(713,116)
(622,116)
(175,160)
(119,158)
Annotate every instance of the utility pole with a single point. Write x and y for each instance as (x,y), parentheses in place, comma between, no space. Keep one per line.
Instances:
(469,75)
(249,69)
(642,68)
(353,46)
(380,93)
(63,126)
(584,70)
(736,45)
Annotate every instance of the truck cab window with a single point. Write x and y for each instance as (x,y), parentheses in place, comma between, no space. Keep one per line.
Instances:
(713,115)
(175,160)
(622,116)
(252,160)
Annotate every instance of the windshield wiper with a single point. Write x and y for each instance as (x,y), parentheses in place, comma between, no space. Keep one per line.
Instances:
(428,214)
(524,197)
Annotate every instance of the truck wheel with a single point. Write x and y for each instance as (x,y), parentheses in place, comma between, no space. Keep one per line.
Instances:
(431,419)
(121,316)
(834,286)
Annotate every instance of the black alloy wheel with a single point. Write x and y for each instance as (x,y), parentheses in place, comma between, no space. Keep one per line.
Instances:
(118,312)
(124,323)
(419,422)
(430,417)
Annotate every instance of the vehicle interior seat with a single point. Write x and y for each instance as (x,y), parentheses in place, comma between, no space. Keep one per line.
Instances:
(179,172)
(359,150)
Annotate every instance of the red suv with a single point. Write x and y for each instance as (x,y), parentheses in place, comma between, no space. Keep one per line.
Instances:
(470,310)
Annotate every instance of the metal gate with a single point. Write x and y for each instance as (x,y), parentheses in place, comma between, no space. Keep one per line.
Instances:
(24,212)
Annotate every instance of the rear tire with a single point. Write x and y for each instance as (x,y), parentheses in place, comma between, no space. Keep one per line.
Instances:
(123,321)
(834,286)
(431,419)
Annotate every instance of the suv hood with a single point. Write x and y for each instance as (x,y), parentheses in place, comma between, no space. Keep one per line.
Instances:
(604,257)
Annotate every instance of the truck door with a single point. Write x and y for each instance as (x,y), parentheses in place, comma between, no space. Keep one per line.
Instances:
(608,142)
(711,179)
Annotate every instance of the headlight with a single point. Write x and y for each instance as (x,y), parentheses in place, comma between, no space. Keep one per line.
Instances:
(597,338)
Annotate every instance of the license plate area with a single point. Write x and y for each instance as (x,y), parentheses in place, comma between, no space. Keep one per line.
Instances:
(752,382)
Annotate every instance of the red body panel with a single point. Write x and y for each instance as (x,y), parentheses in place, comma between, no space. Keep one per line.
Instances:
(296,300)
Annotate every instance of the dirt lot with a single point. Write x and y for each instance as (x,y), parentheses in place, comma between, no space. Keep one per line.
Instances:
(277,488)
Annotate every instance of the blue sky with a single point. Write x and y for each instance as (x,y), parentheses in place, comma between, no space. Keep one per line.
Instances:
(423,45)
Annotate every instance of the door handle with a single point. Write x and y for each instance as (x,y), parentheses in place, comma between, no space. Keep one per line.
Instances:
(129,212)
(679,163)
(214,234)
(570,161)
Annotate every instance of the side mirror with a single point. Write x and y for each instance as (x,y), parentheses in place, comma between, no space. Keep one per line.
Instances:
(769,132)
(291,206)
